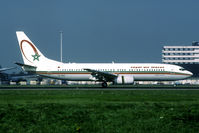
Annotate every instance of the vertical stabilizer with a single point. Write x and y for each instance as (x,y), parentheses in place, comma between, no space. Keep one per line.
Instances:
(30,53)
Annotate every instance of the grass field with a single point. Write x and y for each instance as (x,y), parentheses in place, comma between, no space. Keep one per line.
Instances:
(99,111)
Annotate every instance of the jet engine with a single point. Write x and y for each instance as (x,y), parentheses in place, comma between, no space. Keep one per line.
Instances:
(124,79)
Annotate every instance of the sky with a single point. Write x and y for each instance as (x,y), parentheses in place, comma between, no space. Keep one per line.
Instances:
(125,31)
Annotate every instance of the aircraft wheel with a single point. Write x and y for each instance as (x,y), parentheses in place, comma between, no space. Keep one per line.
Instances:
(104,85)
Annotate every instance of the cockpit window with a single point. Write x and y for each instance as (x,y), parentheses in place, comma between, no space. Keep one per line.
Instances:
(182,69)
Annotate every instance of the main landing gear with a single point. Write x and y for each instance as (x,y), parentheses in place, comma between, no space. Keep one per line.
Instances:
(104,85)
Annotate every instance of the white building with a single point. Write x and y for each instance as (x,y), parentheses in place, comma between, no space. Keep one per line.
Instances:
(185,56)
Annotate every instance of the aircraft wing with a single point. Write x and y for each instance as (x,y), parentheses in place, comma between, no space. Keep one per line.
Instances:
(101,76)
(4,69)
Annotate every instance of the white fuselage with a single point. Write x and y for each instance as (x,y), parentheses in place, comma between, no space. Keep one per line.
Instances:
(140,72)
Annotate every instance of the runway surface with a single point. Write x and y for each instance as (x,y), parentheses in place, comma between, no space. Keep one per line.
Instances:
(98,88)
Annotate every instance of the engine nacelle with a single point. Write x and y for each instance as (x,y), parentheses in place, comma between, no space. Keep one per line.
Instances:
(124,79)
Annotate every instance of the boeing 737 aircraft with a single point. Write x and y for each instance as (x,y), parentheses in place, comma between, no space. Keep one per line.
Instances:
(118,73)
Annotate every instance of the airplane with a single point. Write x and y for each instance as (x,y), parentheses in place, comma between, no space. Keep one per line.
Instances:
(3,75)
(117,73)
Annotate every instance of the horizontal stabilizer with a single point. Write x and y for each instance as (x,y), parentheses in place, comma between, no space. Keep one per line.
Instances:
(20,64)
(28,68)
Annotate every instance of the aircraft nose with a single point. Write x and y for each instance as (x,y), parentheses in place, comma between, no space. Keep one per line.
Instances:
(190,73)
